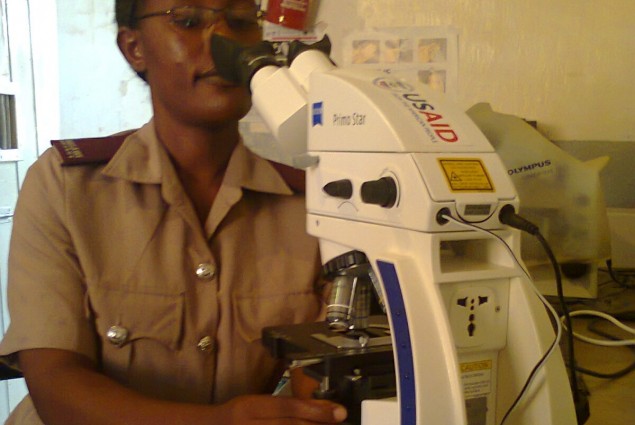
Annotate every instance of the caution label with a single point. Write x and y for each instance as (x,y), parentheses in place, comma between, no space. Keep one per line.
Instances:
(477,378)
(466,175)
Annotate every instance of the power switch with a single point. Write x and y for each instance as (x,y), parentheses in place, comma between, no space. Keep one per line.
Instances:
(382,192)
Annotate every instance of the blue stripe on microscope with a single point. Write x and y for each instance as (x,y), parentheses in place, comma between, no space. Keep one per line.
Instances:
(403,349)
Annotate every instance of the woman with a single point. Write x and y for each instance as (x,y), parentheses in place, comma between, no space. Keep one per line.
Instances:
(140,281)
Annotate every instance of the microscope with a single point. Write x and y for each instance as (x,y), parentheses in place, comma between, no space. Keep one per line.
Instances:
(431,319)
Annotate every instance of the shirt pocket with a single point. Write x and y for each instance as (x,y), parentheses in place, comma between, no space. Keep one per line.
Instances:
(133,325)
(253,313)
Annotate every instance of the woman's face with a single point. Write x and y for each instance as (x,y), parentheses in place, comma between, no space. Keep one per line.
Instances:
(173,51)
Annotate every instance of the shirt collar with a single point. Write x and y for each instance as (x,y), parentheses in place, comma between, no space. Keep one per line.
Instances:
(143,159)
(249,171)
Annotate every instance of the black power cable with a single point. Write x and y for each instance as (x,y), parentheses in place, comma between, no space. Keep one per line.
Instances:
(509,217)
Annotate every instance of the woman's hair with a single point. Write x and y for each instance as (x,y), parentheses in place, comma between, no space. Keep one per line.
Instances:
(125,13)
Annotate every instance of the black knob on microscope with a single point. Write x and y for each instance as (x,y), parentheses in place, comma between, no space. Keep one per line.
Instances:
(339,189)
(382,192)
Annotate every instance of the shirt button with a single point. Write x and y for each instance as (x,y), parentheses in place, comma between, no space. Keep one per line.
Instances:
(206,271)
(117,335)
(205,344)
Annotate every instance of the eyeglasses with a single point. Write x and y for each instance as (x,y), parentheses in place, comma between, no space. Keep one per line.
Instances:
(239,18)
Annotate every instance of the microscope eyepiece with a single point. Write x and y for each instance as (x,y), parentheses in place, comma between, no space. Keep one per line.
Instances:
(237,63)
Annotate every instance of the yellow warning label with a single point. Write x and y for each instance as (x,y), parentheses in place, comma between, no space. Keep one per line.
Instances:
(466,175)
(476,378)
(476,366)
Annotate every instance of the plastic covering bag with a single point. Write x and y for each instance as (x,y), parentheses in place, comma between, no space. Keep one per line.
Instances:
(559,193)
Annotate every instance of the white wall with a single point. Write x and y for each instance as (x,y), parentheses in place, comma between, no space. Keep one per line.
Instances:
(566,63)
(99,94)
(44,51)
(569,64)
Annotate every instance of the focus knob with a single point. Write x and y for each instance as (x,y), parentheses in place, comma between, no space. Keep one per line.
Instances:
(382,192)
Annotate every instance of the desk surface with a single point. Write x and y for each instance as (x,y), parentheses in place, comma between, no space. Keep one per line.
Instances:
(612,402)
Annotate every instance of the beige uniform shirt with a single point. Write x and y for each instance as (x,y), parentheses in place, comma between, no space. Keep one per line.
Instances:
(110,261)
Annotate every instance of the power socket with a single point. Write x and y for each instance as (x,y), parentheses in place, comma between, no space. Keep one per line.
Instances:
(473,316)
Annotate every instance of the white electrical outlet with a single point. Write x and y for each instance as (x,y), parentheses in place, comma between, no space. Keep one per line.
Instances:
(473,315)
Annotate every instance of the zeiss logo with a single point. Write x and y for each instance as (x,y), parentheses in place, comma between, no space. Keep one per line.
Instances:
(318,113)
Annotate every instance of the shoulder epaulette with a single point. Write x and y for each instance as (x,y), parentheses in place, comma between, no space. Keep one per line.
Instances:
(95,150)
(293,177)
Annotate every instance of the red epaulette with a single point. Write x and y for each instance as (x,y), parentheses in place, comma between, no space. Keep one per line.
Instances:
(294,177)
(99,150)
(95,150)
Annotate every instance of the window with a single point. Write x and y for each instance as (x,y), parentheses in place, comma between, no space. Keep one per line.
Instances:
(7,122)
(8,139)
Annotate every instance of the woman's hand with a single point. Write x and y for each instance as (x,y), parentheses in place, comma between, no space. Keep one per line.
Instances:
(269,410)
(68,389)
